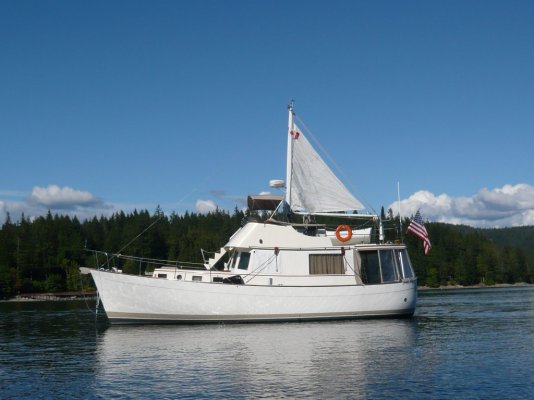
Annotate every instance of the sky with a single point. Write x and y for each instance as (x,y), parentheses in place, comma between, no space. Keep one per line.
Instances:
(123,105)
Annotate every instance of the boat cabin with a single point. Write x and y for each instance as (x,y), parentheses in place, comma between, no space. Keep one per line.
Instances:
(257,257)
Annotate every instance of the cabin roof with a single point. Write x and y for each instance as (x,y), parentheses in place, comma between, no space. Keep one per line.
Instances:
(267,202)
(256,234)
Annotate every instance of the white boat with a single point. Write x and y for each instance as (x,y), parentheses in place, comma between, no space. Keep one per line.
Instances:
(276,270)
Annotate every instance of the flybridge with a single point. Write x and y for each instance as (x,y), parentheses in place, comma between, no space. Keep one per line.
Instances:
(265,202)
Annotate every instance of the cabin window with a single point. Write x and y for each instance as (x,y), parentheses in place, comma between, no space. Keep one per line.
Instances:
(388,266)
(403,260)
(244,258)
(326,264)
(381,266)
(162,275)
(196,278)
(370,271)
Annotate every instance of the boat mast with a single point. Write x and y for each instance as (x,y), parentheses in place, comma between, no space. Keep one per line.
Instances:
(289,166)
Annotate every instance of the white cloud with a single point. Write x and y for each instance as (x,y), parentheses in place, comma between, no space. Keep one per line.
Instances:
(64,201)
(511,205)
(56,198)
(205,206)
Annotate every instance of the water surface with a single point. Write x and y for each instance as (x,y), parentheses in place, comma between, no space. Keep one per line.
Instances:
(470,344)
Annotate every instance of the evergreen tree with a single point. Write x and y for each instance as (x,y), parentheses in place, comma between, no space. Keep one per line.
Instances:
(44,254)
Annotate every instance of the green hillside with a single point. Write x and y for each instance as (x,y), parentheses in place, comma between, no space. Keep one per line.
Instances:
(521,237)
(43,254)
(468,256)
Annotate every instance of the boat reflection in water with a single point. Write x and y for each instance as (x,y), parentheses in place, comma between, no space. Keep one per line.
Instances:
(336,359)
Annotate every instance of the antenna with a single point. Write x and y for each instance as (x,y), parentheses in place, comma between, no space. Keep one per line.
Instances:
(291,105)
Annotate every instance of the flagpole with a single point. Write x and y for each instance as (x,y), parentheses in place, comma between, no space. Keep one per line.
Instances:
(400,215)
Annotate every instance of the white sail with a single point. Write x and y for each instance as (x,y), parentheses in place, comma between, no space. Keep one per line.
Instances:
(312,186)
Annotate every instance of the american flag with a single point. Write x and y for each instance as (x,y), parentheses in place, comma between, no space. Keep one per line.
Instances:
(418,229)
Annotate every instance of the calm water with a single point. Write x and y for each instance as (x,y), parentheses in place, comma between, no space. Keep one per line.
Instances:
(470,344)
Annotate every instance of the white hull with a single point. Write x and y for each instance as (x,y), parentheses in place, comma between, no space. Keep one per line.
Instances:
(140,299)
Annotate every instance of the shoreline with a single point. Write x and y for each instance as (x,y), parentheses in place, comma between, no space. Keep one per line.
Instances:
(479,286)
(62,296)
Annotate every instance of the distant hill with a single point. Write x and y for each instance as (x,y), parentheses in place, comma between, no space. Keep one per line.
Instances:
(521,237)
(469,256)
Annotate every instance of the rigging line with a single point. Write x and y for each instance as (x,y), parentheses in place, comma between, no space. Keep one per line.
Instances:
(153,260)
(336,166)
(114,255)
(260,268)
(354,270)
(83,294)
(348,264)
(153,223)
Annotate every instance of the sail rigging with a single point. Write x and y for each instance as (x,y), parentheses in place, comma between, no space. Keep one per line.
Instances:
(312,187)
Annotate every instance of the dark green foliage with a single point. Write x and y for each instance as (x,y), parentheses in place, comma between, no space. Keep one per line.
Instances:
(520,237)
(44,254)
(8,282)
(463,255)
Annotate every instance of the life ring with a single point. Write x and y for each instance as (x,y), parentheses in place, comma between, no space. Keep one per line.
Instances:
(343,228)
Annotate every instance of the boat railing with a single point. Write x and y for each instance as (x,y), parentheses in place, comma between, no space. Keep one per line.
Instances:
(113,262)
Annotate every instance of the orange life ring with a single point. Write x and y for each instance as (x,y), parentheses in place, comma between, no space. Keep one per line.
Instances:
(343,228)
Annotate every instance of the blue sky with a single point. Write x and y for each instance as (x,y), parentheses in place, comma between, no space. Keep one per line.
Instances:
(116,105)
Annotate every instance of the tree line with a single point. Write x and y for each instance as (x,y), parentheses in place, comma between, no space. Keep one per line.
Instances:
(466,256)
(44,254)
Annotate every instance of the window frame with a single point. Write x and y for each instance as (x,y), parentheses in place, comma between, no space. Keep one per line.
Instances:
(326,264)
(240,264)
(379,258)
(403,260)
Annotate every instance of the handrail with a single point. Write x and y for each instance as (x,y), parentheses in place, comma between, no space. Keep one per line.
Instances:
(141,259)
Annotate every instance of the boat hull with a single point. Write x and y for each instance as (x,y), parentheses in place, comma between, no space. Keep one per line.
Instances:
(139,299)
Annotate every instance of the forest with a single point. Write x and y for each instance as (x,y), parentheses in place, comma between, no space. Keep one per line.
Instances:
(44,254)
